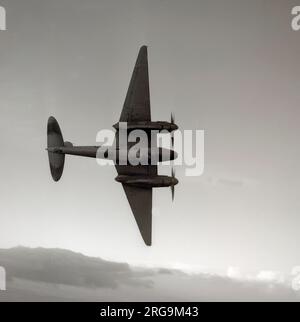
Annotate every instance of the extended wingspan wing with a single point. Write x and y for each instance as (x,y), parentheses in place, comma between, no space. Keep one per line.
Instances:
(137,109)
(137,103)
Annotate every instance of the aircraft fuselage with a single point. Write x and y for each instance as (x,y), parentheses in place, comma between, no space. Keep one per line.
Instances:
(147,154)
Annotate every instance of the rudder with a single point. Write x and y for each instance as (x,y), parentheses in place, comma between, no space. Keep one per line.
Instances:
(55,139)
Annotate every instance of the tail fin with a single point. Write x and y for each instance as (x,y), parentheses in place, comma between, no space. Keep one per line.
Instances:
(55,139)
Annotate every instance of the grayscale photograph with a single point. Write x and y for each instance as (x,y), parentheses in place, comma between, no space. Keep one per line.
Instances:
(150,153)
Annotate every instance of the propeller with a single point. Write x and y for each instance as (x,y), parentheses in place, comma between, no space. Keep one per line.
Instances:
(172,122)
(172,118)
(172,185)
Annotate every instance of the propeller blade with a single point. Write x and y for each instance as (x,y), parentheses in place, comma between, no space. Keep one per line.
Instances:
(172,122)
(172,186)
(173,192)
(172,118)
(172,140)
(173,173)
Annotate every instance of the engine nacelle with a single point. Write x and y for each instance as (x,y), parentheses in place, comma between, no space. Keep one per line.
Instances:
(147,181)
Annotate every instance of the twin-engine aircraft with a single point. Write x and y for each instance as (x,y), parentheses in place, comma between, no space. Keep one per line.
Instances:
(137,180)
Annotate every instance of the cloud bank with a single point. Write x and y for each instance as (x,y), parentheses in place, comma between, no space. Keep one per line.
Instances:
(59,275)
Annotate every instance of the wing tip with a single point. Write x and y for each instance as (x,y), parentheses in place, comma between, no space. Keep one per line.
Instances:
(148,243)
(143,53)
(147,236)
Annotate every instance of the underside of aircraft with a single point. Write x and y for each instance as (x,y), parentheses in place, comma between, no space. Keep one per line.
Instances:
(139,180)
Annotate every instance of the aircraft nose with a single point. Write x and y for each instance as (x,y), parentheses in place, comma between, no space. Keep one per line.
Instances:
(174,127)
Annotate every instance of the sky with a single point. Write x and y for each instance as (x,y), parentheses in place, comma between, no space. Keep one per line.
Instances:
(230,68)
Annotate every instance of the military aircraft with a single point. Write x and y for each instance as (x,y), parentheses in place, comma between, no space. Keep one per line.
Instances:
(137,180)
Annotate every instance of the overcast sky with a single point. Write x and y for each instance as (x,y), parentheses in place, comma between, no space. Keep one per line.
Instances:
(229,67)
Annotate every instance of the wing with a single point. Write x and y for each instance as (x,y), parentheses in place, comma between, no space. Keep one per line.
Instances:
(137,103)
(137,109)
(140,201)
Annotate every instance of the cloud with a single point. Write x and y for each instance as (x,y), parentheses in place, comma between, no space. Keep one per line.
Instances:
(271,277)
(58,266)
(234,273)
(296,278)
(53,274)
(267,277)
